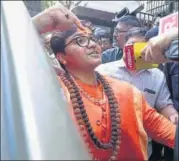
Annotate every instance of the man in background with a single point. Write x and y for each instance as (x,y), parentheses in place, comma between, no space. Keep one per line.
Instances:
(151,82)
(104,37)
(124,24)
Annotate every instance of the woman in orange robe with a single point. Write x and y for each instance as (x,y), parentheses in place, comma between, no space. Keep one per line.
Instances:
(112,116)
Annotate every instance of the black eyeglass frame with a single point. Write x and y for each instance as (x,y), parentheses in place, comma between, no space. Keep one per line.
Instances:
(93,38)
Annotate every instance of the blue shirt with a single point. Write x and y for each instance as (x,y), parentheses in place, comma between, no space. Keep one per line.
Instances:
(111,55)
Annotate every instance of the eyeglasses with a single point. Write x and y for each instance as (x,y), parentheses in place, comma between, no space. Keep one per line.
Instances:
(84,41)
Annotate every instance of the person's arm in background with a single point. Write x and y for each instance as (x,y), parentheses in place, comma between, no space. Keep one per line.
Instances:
(157,126)
(163,102)
(170,112)
(154,51)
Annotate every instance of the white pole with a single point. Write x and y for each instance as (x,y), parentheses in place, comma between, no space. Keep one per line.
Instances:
(36,123)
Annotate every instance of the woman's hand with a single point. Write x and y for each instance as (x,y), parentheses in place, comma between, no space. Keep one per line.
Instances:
(54,18)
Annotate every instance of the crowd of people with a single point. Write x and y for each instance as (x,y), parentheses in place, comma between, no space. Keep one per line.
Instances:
(120,114)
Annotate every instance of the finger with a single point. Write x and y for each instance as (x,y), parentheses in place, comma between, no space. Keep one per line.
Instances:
(79,24)
(151,55)
(148,57)
(143,51)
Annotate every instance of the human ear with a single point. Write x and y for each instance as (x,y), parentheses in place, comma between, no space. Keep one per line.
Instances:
(61,57)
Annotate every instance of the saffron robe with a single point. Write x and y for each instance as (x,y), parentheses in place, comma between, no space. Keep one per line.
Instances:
(137,120)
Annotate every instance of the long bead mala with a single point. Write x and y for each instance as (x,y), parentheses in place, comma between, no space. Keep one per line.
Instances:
(82,117)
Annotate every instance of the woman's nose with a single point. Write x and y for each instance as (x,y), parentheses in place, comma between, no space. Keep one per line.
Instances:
(92,44)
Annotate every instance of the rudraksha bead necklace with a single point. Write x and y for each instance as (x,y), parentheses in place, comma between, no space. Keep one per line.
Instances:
(82,117)
(98,102)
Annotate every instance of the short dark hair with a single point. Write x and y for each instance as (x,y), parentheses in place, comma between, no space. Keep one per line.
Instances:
(57,43)
(58,39)
(100,33)
(130,20)
(136,31)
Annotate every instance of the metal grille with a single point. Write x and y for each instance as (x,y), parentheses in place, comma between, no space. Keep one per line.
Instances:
(161,8)
(154,9)
(145,18)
